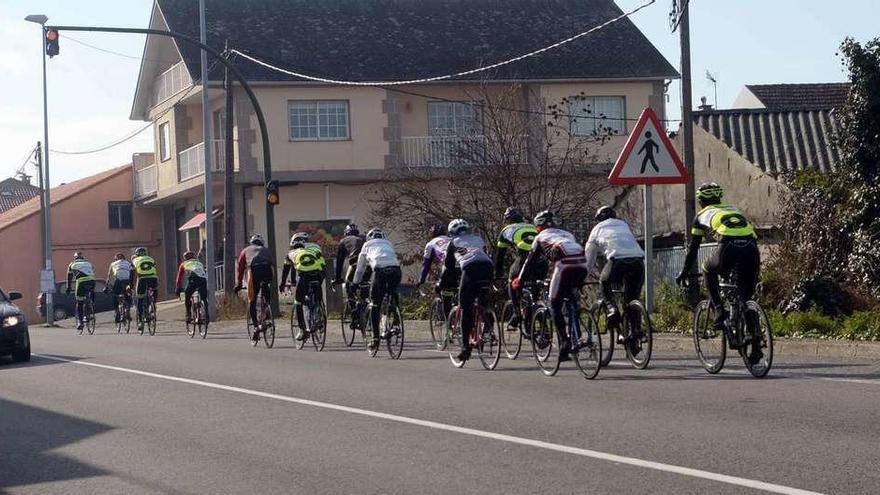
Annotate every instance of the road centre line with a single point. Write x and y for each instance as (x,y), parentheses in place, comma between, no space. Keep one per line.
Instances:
(593,454)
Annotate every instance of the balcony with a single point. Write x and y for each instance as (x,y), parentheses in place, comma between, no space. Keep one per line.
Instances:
(448,151)
(171,82)
(191,161)
(146,182)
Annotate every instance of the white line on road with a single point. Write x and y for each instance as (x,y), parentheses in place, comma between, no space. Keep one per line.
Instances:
(853,380)
(594,454)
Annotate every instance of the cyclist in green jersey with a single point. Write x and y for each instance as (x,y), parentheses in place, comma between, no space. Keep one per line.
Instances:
(307,263)
(146,277)
(517,235)
(81,280)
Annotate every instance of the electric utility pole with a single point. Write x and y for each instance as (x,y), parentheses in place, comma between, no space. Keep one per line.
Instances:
(210,249)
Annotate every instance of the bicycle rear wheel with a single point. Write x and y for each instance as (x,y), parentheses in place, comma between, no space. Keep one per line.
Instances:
(511,337)
(639,340)
(758,356)
(604,333)
(203,322)
(544,343)
(151,322)
(91,323)
(345,322)
(268,326)
(710,344)
(394,335)
(318,327)
(488,344)
(118,318)
(194,318)
(437,324)
(588,353)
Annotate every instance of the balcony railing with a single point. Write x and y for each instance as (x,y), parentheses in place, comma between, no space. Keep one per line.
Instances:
(171,82)
(436,151)
(191,161)
(146,182)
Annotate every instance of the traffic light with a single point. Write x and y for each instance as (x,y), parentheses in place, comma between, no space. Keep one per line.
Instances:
(272,195)
(52,47)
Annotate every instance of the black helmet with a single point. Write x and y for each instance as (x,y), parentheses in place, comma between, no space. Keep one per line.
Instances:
(604,213)
(257,240)
(545,219)
(78,256)
(375,233)
(512,214)
(710,193)
(351,229)
(437,230)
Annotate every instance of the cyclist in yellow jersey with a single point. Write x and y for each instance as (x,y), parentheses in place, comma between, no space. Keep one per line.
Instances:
(146,276)
(81,274)
(307,263)
(517,235)
(737,248)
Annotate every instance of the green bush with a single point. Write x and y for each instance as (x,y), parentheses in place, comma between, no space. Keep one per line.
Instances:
(671,313)
(812,324)
(862,325)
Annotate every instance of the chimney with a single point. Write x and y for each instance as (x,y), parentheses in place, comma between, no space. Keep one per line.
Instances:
(705,106)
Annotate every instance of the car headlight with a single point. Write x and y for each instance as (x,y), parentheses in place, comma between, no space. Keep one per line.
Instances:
(11,321)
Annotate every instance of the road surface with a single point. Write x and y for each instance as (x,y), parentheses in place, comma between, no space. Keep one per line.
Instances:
(129,414)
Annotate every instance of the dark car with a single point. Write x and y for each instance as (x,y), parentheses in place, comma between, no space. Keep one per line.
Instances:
(65,304)
(14,337)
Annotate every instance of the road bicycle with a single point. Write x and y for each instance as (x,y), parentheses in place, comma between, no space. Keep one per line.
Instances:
(198,319)
(586,350)
(149,312)
(391,326)
(483,337)
(746,330)
(638,342)
(265,318)
(122,314)
(511,336)
(353,310)
(437,316)
(315,315)
(88,314)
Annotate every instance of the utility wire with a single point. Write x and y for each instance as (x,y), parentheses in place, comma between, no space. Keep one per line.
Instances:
(118,54)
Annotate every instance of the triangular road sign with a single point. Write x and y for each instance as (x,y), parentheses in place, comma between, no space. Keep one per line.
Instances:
(648,157)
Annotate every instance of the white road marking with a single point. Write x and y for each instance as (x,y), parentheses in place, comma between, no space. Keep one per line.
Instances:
(593,454)
(853,380)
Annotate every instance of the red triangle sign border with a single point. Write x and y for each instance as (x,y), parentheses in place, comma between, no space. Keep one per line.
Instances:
(614,178)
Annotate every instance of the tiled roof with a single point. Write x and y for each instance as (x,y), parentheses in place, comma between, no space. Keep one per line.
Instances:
(776,142)
(406,39)
(57,194)
(783,97)
(14,192)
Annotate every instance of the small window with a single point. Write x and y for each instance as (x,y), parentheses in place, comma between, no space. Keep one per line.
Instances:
(318,120)
(164,141)
(121,215)
(447,118)
(597,115)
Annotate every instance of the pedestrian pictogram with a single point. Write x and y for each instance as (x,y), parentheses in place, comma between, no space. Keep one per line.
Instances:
(648,156)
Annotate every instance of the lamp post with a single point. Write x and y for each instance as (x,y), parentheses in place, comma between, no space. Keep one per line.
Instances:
(48,270)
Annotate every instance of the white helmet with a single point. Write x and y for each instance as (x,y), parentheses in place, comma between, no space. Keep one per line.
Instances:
(257,239)
(375,234)
(458,226)
(299,238)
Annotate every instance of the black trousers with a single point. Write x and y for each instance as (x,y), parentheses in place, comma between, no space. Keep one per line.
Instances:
(740,256)
(475,280)
(200,285)
(385,282)
(260,275)
(629,272)
(568,278)
(303,280)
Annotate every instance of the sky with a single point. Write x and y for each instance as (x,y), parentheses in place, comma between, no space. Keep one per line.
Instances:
(91,92)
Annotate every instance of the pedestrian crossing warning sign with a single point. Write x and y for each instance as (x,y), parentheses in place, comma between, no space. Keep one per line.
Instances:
(648,156)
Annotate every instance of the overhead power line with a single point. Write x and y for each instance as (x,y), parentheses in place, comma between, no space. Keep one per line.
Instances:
(118,54)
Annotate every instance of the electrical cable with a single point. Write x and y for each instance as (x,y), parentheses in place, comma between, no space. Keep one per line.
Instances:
(118,54)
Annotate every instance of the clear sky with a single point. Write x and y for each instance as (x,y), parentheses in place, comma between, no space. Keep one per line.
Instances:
(90,92)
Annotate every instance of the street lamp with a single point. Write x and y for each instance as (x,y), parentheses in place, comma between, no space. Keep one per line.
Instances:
(47,276)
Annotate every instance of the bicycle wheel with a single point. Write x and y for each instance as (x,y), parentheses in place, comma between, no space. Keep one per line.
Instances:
(151,322)
(640,340)
(437,324)
(543,342)
(588,352)
(204,321)
(488,344)
(710,344)
(117,317)
(345,322)
(318,327)
(268,327)
(194,317)
(394,335)
(604,334)
(91,323)
(758,356)
(511,337)
(453,337)
(127,316)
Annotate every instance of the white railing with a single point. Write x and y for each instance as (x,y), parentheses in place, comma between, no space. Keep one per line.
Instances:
(146,182)
(191,161)
(219,277)
(171,82)
(436,151)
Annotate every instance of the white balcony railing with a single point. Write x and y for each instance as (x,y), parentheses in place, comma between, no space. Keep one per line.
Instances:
(436,151)
(171,82)
(191,161)
(146,182)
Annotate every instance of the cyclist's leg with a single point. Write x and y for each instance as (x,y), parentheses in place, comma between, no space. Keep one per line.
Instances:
(559,288)
(633,280)
(515,294)
(299,296)
(712,270)
(748,267)
(252,289)
(392,283)
(609,278)
(473,277)
(377,292)
(187,297)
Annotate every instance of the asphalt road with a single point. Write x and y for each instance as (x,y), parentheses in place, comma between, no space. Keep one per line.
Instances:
(136,414)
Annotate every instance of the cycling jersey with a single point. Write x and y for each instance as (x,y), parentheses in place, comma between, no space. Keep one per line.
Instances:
(347,253)
(190,269)
(556,244)
(724,221)
(614,239)
(145,267)
(305,259)
(435,250)
(80,270)
(119,270)
(375,254)
(464,250)
(518,235)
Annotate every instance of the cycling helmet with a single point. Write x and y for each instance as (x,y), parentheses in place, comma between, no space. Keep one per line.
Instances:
(299,237)
(545,219)
(375,233)
(351,229)
(710,193)
(188,255)
(119,256)
(141,251)
(437,230)
(78,256)
(458,226)
(257,240)
(604,213)
(513,215)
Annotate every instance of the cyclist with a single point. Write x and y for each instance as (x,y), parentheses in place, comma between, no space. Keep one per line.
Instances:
(435,250)
(119,279)
(256,260)
(81,273)
(624,263)
(737,250)
(569,273)
(378,255)
(307,267)
(196,277)
(517,234)
(147,277)
(466,252)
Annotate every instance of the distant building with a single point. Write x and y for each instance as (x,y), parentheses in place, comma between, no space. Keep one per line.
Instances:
(14,192)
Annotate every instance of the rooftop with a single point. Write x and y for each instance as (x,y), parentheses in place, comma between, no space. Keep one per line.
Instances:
(14,192)
(810,96)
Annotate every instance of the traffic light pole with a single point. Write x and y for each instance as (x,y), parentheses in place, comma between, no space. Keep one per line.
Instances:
(261,119)
(47,212)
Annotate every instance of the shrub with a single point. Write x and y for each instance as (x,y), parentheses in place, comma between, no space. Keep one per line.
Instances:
(671,313)
(231,307)
(862,325)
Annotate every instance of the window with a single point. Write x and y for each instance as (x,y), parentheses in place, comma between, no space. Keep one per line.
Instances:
(120,215)
(318,120)
(164,141)
(597,115)
(446,118)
